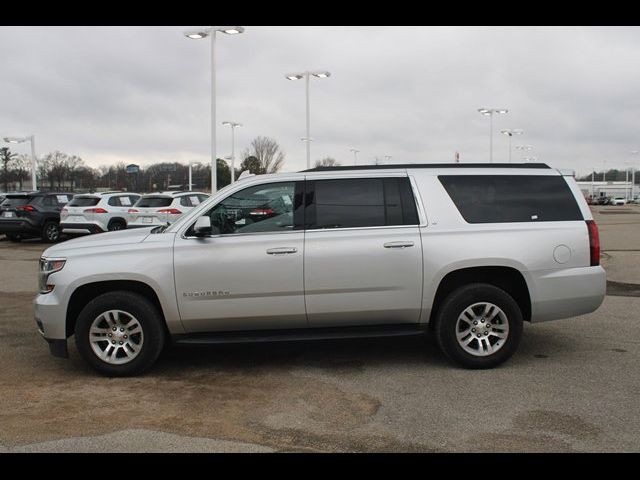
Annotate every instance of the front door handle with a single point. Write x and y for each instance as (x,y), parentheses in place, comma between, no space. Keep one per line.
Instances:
(281,251)
(398,244)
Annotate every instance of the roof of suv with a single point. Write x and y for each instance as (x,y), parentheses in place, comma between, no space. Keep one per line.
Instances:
(429,165)
(173,194)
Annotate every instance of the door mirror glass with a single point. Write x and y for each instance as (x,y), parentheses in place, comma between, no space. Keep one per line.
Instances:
(202,227)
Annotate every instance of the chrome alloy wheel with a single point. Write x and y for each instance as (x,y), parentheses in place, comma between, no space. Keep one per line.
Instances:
(482,329)
(116,337)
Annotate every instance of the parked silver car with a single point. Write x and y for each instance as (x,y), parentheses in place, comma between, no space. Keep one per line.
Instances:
(468,251)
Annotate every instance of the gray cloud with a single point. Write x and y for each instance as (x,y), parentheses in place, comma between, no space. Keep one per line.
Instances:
(141,94)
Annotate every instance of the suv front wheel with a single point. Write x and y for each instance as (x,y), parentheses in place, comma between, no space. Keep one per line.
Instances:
(119,334)
(479,326)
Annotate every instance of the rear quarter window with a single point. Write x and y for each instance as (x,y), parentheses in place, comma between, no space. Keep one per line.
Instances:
(511,198)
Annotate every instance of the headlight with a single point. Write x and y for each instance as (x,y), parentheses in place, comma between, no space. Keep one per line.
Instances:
(47,267)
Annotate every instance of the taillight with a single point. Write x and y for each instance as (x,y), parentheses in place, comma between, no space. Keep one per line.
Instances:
(25,208)
(171,211)
(262,211)
(95,210)
(132,210)
(594,242)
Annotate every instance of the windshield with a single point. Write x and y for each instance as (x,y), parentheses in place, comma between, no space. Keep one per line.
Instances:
(11,201)
(84,202)
(153,202)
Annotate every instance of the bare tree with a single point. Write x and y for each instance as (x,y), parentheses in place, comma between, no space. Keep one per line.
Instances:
(268,153)
(327,162)
(21,168)
(6,157)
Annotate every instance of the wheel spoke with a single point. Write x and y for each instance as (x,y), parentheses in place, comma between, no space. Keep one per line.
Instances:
(462,335)
(498,334)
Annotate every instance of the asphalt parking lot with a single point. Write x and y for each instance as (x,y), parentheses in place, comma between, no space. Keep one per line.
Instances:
(573,385)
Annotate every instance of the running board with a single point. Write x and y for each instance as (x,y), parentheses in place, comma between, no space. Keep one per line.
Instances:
(255,336)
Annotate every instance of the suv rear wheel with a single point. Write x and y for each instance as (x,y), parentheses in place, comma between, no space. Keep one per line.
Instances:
(479,326)
(116,225)
(119,334)
(51,232)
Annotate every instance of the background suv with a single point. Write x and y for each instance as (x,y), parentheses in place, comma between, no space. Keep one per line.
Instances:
(163,207)
(97,213)
(33,215)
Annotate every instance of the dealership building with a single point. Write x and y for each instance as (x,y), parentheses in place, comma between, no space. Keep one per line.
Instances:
(609,189)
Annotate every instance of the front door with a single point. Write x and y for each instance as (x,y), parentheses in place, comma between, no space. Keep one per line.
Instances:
(248,274)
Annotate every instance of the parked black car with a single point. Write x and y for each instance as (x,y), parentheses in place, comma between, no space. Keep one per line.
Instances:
(32,215)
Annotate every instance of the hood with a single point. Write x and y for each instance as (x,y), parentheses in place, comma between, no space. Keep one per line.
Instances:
(120,237)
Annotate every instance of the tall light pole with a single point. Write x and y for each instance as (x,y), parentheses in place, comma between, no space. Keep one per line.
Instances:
(355,155)
(633,175)
(203,33)
(34,166)
(487,111)
(307,76)
(233,126)
(510,132)
(191,164)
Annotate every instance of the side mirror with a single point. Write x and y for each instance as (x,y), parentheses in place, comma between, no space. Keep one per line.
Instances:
(202,227)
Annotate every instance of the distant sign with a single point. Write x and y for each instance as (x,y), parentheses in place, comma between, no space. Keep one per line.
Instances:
(168,167)
(133,168)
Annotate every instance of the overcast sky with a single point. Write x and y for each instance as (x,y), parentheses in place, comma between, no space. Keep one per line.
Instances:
(142,94)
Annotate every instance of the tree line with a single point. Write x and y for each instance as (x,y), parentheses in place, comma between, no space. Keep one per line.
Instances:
(59,171)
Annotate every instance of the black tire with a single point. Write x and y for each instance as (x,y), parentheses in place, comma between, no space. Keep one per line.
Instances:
(51,232)
(147,316)
(116,225)
(453,307)
(14,238)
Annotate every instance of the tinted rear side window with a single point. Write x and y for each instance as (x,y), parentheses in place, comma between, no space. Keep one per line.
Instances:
(511,198)
(360,202)
(153,202)
(84,202)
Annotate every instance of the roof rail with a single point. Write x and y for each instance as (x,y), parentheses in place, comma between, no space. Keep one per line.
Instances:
(391,166)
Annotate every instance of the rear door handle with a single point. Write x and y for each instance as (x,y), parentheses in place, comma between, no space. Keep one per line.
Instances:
(398,244)
(281,251)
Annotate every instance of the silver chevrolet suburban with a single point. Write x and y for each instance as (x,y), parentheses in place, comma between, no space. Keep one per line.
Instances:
(466,251)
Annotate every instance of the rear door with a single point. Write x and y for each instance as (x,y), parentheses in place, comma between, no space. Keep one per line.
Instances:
(363,254)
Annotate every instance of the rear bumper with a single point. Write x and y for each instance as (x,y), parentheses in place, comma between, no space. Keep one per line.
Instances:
(17,226)
(81,228)
(567,293)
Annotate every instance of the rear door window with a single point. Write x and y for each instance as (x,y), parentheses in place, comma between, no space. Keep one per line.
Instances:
(360,202)
(511,198)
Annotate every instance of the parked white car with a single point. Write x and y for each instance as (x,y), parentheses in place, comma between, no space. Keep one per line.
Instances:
(619,201)
(162,208)
(97,212)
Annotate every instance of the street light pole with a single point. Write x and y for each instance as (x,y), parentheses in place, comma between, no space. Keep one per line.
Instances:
(203,33)
(633,176)
(355,155)
(191,164)
(233,126)
(489,112)
(34,166)
(307,77)
(510,132)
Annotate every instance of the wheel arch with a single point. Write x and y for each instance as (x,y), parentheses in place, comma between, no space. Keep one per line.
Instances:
(509,279)
(87,292)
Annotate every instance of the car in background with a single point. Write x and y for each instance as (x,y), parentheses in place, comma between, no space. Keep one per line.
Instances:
(162,208)
(619,201)
(603,200)
(33,215)
(97,212)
